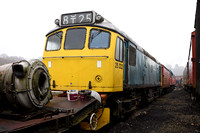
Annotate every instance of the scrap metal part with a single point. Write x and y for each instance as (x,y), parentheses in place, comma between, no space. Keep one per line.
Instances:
(24,86)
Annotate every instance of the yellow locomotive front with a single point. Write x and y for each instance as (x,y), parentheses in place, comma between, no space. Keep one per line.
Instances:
(81,54)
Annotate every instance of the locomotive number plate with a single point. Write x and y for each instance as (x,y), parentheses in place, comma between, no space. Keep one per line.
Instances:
(77,18)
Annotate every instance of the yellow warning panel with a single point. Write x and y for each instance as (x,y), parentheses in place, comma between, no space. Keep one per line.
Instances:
(102,121)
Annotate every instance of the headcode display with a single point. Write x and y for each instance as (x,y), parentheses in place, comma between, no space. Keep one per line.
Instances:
(77,18)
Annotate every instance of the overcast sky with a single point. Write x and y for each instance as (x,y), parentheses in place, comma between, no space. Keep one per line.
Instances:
(161,27)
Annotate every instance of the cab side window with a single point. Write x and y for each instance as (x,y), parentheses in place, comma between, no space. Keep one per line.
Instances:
(119,51)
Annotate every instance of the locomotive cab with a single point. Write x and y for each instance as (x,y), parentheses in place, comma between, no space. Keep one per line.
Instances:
(82,53)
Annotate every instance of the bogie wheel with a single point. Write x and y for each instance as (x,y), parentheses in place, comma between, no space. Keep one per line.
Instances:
(93,121)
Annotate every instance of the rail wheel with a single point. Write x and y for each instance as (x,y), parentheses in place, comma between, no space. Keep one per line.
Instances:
(93,121)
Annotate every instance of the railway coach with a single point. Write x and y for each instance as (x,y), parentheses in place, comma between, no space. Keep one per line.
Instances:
(189,73)
(87,52)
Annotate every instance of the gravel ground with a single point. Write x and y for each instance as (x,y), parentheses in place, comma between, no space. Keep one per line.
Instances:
(172,113)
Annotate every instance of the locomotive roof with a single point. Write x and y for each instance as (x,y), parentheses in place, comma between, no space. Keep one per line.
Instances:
(108,25)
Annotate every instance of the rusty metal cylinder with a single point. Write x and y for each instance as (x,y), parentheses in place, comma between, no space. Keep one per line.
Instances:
(24,86)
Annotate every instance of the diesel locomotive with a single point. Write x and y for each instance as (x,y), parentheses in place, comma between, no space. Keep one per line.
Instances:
(90,71)
(87,52)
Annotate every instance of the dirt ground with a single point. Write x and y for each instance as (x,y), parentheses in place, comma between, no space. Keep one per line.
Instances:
(175,112)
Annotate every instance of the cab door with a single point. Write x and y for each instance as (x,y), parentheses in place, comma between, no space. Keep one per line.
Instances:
(125,73)
(119,64)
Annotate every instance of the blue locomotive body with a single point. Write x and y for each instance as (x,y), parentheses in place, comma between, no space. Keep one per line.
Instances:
(141,70)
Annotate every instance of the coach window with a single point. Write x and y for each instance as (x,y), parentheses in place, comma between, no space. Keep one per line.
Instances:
(132,56)
(119,51)
(75,38)
(99,39)
(54,41)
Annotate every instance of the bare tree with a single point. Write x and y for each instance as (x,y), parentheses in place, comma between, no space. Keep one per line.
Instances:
(5,59)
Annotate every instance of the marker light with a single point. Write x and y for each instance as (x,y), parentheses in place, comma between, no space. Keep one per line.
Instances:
(57,21)
(99,19)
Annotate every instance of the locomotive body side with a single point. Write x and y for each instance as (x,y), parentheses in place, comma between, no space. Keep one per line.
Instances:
(185,76)
(191,63)
(189,74)
(165,77)
(143,72)
(92,68)
(172,80)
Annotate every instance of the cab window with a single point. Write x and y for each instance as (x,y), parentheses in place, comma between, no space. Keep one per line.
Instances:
(99,39)
(75,38)
(54,41)
(119,50)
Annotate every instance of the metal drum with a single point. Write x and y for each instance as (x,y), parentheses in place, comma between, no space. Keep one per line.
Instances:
(24,86)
